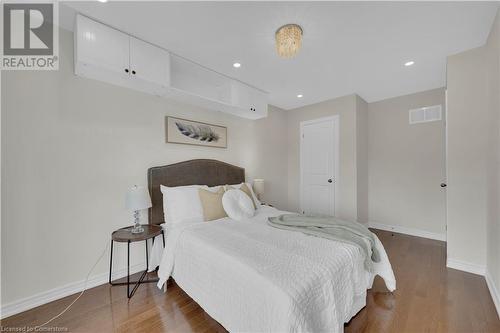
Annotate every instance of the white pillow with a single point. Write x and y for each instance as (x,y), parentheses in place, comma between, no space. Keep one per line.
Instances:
(238,205)
(254,197)
(182,204)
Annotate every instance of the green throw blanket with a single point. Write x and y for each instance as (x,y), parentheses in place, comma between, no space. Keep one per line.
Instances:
(332,228)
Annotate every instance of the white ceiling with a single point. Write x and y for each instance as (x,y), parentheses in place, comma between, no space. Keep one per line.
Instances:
(347,47)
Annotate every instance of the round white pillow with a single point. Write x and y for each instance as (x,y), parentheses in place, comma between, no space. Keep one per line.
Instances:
(238,205)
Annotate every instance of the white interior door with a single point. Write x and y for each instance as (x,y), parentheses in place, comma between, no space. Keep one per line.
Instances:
(319,165)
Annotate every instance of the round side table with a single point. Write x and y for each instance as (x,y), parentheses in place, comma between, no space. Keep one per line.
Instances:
(124,235)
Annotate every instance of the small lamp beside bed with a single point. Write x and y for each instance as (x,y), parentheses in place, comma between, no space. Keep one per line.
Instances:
(258,188)
(137,199)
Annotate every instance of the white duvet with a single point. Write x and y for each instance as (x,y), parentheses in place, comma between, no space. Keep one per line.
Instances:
(252,277)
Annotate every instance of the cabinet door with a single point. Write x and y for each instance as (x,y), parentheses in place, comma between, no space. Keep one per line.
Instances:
(101,47)
(258,102)
(240,96)
(251,101)
(149,66)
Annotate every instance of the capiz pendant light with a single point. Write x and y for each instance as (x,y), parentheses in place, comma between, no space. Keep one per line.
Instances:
(288,40)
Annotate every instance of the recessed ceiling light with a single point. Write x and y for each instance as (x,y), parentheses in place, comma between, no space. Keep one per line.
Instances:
(102,1)
(409,63)
(236,65)
(300,96)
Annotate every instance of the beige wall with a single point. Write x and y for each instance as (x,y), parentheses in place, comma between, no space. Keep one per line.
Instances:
(493,215)
(345,107)
(71,147)
(1,299)
(474,159)
(362,160)
(379,151)
(270,156)
(468,121)
(406,164)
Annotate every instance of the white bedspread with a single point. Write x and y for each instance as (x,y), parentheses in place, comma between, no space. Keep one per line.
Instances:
(252,277)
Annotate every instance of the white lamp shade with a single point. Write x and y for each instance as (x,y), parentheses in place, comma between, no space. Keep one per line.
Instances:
(258,186)
(138,198)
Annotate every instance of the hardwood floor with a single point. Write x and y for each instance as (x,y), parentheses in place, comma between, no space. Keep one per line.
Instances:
(429,298)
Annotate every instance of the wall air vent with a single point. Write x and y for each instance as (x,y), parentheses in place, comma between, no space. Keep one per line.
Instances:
(425,114)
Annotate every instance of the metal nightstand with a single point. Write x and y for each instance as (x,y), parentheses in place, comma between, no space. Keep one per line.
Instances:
(124,235)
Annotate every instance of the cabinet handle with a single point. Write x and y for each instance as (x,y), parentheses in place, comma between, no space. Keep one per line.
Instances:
(126,70)
(133,72)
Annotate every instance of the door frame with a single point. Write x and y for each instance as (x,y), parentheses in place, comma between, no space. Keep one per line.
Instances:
(445,119)
(336,157)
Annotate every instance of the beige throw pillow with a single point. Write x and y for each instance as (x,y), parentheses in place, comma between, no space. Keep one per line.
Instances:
(211,202)
(244,188)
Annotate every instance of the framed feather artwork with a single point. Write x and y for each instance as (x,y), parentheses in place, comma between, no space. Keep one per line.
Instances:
(191,132)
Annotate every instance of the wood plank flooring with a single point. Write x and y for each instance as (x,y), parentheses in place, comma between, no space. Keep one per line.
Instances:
(429,298)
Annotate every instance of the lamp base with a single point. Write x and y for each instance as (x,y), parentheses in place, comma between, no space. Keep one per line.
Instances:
(137,229)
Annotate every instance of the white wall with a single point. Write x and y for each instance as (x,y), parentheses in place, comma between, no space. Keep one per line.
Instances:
(71,148)
(406,164)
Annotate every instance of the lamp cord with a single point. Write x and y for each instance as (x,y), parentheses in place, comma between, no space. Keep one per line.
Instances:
(81,293)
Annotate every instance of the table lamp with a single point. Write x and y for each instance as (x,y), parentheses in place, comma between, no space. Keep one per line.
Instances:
(258,187)
(136,200)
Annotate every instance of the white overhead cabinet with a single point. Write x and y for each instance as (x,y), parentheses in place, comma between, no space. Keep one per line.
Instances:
(249,100)
(204,87)
(149,67)
(101,53)
(192,82)
(109,55)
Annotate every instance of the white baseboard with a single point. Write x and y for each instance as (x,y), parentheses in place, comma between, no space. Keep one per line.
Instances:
(466,266)
(45,297)
(495,295)
(408,231)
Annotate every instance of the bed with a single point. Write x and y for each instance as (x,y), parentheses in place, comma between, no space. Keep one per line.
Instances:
(251,277)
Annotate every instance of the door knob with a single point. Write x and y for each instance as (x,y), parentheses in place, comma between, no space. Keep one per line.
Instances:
(443,185)
(330,180)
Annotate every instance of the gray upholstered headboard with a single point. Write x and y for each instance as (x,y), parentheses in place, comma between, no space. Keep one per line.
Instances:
(193,172)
